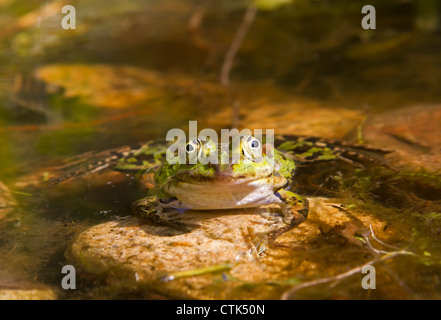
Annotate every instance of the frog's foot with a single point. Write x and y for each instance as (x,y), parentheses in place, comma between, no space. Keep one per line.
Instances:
(295,210)
(149,210)
(257,241)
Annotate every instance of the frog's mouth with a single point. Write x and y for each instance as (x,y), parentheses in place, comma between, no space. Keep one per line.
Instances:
(225,195)
(224,176)
(220,179)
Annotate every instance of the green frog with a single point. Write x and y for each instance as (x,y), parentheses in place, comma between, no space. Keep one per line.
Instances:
(262,175)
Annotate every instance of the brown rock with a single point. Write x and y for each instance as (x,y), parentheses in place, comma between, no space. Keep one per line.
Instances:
(297,116)
(137,254)
(7,202)
(413,134)
(27,294)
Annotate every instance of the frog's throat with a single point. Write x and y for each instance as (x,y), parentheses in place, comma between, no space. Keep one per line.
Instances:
(225,177)
(204,196)
(226,180)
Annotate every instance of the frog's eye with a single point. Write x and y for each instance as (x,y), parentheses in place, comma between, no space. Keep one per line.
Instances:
(193,146)
(189,148)
(254,144)
(252,148)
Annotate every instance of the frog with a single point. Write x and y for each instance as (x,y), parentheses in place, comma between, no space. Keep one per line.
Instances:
(264,174)
(261,176)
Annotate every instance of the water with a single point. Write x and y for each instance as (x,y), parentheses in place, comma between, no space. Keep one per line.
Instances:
(130,72)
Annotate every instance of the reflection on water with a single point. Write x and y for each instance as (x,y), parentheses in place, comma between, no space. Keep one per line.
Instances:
(133,70)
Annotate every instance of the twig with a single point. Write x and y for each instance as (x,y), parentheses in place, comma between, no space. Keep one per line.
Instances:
(235,45)
(32,106)
(376,253)
(247,20)
(346,274)
(379,241)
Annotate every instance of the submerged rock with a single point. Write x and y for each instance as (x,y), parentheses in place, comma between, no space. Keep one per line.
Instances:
(292,115)
(7,202)
(413,133)
(109,86)
(13,288)
(134,254)
(27,294)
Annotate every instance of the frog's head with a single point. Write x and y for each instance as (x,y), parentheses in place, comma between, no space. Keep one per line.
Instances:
(244,159)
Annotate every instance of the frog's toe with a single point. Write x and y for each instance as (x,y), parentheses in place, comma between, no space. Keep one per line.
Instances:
(263,241)
(272,217)
(260,242)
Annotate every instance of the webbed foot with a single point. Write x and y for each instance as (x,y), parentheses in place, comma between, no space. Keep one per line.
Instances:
(295,210)
(148,209)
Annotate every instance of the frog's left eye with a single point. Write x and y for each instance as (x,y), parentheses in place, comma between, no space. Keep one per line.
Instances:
(193,146)
(193,149)
(190,148)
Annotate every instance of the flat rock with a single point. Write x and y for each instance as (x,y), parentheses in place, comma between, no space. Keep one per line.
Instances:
(7,202)
(139,255)
(111,86)
(13,288)
(413,134)
(296,116)
(27,294)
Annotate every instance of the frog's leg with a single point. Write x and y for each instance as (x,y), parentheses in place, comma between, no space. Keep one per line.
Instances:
(150,209)
(295,210)
(147,206)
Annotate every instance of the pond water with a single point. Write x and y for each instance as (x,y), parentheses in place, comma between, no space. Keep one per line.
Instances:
(131,71)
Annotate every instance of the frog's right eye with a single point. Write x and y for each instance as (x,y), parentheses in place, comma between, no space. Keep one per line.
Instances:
(252,148)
